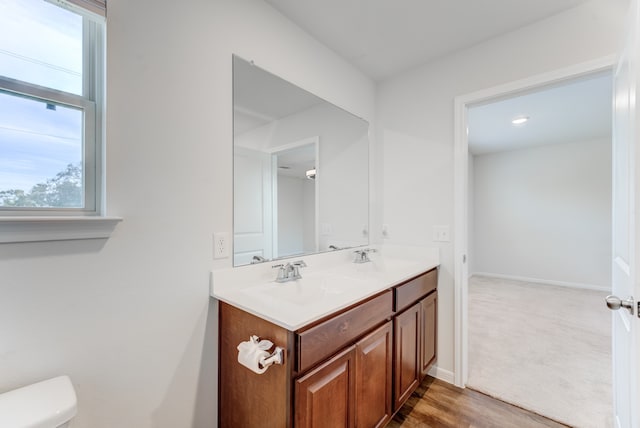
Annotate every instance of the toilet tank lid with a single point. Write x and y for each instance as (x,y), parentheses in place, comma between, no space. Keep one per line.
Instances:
(45,404)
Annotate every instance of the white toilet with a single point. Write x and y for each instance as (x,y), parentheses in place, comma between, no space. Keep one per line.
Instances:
(48,404)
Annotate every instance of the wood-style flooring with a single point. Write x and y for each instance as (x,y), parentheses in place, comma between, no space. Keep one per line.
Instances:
(439,404)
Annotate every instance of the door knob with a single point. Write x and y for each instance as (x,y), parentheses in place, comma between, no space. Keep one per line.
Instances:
(614,303)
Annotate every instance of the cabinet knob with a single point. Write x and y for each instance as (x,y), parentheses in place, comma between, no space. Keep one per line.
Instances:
(344,327)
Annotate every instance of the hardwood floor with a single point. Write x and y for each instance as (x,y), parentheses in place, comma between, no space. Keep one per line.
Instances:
(438,404)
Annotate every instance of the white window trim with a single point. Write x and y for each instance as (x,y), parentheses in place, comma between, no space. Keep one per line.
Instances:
(59,224)
(43,228)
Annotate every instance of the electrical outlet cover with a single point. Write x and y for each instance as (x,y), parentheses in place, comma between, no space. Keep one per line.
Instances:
(221,245)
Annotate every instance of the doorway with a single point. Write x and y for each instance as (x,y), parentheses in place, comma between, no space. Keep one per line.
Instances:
(492,167)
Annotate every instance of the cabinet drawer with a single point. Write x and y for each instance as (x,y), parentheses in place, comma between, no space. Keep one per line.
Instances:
(414,290)
(325,339)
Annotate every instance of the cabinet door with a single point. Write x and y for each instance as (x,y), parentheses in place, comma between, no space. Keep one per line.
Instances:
(374,356)
(406,354)
(428,336)
(324,397)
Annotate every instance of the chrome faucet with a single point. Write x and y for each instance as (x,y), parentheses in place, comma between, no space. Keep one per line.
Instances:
(362,256)
(257,259)
(290,271)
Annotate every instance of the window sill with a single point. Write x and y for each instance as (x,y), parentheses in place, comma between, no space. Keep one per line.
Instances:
(35,229)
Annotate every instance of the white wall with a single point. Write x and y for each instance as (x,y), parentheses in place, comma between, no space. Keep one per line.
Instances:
(415,125)
(129,318)
(545,213)
(291,211)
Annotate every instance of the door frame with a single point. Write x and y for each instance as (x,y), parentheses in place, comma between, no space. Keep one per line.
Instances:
(273,151)
(461,172)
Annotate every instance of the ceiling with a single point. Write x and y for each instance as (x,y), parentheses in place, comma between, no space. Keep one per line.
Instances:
(297,161)
(385,37)
(576,111)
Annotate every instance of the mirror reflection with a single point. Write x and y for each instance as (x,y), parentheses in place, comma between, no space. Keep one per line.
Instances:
(301,170)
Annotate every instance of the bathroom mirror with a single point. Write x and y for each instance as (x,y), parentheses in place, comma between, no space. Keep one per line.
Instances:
(300,170)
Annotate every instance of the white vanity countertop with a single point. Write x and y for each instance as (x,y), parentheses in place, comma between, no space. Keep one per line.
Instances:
(330,282)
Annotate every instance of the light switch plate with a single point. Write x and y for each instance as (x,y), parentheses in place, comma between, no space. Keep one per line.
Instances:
(326,229)
(441,234)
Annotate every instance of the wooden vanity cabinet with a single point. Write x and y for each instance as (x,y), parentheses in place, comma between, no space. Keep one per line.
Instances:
(414,334)
(407,354)
(352,389)
(325,396)
(360,373)
(374,358)
(428,323)
(247,399)
(354,368)
(318,342)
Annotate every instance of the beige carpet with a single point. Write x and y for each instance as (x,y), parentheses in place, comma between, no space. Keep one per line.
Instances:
(544,348)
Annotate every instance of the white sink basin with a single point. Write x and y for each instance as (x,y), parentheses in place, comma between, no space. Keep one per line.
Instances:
(375,269)
(330,282)
(310,289)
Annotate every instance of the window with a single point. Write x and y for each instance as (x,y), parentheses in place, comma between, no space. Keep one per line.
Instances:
(51,93)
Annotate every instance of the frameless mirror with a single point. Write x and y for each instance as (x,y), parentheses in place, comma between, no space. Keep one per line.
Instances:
(300,170)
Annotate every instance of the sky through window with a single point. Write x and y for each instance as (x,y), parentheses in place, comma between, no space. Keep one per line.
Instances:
(40,43)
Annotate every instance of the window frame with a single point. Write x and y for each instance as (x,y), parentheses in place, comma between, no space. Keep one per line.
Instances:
(90,102)
(19,225)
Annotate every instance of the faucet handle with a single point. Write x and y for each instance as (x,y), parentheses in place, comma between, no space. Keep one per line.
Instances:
(366,250)
(282,274)
(296,268)
(363,255)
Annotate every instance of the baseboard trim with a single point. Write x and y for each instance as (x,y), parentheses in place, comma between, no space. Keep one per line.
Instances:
(543,281)
(444,375)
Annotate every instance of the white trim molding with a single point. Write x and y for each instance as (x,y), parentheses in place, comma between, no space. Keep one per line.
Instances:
(442,374)
(543,281)
(461,158)
(38,228)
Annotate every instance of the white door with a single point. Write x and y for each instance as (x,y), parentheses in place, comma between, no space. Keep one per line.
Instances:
(626,230)
(252,206)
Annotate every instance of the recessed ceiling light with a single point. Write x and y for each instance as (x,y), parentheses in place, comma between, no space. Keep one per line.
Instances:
(520,120)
